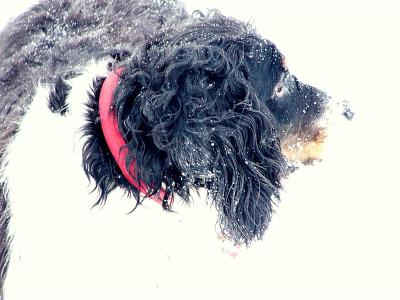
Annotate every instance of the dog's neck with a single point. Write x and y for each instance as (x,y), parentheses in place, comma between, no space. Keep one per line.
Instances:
(116,142)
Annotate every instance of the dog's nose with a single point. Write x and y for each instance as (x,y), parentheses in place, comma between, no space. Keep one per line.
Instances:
(347,112)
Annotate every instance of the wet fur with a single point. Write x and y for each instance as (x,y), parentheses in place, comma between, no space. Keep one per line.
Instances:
(195,102)
(192,114)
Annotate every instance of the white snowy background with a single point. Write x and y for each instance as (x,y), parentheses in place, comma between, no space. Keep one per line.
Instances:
(336,233)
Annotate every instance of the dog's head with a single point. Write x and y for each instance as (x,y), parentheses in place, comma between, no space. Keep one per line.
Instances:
(208,104)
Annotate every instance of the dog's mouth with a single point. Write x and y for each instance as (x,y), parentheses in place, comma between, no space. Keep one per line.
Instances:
(305,149)
(308,147)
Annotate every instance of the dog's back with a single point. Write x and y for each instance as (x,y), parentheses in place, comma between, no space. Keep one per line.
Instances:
(56,37)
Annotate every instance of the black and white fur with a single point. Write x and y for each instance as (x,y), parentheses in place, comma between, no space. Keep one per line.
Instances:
(204,104)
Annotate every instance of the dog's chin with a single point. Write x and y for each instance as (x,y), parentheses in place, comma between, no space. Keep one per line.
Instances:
(306,150)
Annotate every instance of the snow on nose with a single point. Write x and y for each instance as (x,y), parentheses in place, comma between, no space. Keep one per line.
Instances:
(347,112)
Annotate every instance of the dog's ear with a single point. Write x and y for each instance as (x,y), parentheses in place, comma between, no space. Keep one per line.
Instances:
(248,164)
(193,114)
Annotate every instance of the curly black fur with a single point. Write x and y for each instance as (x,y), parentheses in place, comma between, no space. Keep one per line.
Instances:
(58,95)
(195,102)
(192,108)
(98,163)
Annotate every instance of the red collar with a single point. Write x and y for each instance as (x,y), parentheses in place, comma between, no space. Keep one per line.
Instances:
(116,142)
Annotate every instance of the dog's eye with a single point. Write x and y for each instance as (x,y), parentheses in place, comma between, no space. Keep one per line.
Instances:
(279,90)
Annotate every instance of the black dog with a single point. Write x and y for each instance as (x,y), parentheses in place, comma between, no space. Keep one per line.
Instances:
(199,101)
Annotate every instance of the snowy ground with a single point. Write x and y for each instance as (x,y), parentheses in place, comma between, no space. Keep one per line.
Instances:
(336,234)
